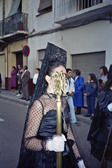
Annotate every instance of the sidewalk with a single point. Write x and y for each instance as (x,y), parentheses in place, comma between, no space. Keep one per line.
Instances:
(11,96)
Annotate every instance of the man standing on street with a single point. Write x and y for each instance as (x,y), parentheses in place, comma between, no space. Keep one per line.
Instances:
(18,75)
(25,83)
(69,89)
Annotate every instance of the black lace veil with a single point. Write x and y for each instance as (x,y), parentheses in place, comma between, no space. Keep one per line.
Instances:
(52,54)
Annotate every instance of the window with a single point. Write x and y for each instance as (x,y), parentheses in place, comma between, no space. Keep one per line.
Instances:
(45,6)
(82,4)
(41,57)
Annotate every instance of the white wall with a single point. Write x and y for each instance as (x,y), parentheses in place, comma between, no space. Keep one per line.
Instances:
(42,22)
(1,11)
(94,37)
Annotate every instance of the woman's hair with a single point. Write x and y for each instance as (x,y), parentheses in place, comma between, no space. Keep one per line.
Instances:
(68,69)
(109,81)
(105,70)
(110,72)
(77,71)
(14,67)
(38,69)
(51,69)
(93,77)
(110,84)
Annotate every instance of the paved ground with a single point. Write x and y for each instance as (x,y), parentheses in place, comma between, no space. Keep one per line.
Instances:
(12,116)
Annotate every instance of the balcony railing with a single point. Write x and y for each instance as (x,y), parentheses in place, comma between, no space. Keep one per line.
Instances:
(66,7)
(82,4)
(17,22)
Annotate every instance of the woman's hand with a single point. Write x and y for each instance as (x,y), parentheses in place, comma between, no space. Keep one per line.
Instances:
(81,164)
(110,107)
(56,143)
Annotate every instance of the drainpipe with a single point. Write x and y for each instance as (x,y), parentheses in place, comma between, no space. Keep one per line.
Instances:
(3,3)
(7,61)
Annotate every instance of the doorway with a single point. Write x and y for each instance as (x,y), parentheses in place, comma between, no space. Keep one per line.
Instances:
(19,59)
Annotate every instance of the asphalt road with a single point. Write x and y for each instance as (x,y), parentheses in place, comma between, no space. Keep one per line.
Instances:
(12,117)
(11,130)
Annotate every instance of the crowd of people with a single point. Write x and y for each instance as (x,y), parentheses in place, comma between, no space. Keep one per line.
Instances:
(20,80)
(76,89)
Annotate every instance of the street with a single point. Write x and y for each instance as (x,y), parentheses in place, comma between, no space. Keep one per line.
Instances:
(11,132)
(12,117)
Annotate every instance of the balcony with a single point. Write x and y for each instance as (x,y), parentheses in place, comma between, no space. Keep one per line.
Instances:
(79,12)
(14,27)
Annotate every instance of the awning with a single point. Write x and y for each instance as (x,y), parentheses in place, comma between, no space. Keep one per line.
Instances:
(14,7)
(44,4)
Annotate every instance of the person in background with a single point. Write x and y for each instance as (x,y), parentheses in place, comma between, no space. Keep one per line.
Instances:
(78,93)
(0,81)
(25,83)
(36,76)
(100,133)
(20,83)
(102,78)
(69,90)
(90,91)
(18,75)
(13,78)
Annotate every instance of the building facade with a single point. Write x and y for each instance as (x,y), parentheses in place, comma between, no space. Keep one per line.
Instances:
(13,36)
(82,27)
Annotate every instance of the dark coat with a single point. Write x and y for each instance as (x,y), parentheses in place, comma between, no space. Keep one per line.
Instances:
(90,88)
(78,94)
(0,80)
(100,127)
(20,80)
(25,78)
(13,78)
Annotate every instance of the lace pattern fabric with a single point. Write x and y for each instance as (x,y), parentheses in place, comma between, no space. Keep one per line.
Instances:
(40,109)
(35,117)
(74,147)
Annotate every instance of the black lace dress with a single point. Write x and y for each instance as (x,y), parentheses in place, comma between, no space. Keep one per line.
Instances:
(41,126)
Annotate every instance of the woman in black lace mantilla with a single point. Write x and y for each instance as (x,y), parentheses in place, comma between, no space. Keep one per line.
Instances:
(40,142)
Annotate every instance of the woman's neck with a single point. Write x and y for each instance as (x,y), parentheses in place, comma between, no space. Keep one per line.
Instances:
(111,88)
(50,90)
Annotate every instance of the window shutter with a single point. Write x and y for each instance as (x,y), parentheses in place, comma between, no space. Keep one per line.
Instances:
(44,4)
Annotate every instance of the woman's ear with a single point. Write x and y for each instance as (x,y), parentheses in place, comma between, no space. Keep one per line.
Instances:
(48,78)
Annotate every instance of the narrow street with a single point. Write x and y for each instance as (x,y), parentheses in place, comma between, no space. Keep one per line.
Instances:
(12,117)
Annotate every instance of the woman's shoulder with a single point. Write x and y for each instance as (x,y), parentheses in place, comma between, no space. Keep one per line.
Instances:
(80,77)
(37,103)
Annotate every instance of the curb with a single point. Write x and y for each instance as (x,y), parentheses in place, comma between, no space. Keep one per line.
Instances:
(14,100)
(84,119)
